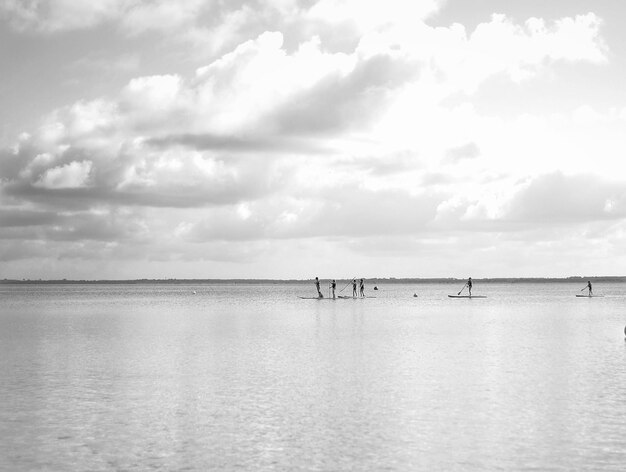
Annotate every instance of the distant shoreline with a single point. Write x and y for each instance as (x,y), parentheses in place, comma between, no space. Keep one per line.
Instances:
(512,280)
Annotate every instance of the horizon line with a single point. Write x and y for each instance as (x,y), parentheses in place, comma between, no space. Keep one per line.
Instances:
(614,278)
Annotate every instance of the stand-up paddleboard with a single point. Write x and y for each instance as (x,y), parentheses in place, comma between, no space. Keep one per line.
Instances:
(330,298)
(589,296)
(467,296)
(352,298)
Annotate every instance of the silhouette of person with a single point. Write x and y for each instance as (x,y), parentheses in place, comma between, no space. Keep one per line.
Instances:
(317,286)
(469,286)
(333,286)
(354,292)
(362,288)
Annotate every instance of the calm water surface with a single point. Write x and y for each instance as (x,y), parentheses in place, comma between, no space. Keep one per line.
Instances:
(249,377)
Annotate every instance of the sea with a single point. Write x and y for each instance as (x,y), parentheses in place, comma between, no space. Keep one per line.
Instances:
(249,377)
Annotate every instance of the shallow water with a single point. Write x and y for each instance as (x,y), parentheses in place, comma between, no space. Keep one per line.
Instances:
(249,377)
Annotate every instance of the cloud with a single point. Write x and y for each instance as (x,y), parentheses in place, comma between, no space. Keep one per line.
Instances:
(72,175)
(294,134)
(238,144)
(136,177)
(341,101)
(518,50)
(21,250)
(139,16)
(345,212)
(101,224)
(173,141)
(168,130)
(372,15)
(21,217)
(381,165)
(52,16)
(103,63)
(501,46)
(558,198)
(535,205)
(162,16)
(467,151)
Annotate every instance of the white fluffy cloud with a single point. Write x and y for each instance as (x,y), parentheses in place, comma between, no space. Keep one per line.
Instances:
(72,175)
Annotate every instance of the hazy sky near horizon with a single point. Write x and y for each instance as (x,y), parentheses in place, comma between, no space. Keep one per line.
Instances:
(294,138)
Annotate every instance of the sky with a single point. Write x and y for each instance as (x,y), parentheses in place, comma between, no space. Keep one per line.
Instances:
(302,138)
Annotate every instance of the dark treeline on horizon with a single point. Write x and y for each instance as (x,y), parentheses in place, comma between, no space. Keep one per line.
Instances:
(389,280)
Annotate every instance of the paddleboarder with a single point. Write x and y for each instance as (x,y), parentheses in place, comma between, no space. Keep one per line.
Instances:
(333,286)
(317,286)
(588,287)
(354,292)
(362,288)
(469,286)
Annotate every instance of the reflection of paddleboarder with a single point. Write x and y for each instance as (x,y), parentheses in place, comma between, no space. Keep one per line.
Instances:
(317,286)
(588,287)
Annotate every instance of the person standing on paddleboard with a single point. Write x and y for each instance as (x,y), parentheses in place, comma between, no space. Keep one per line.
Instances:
(362,288)
(469,286)
(588,287)
(333,286)
(354,292)
(317,286)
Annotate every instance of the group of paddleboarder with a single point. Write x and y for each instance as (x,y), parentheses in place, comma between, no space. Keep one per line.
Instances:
(469,284)
(332,286)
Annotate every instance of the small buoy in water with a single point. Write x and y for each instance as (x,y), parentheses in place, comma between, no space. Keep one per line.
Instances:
(375,288)
(415,295)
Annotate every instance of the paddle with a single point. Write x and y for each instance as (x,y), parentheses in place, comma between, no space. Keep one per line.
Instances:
(462,288)
(347,284)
